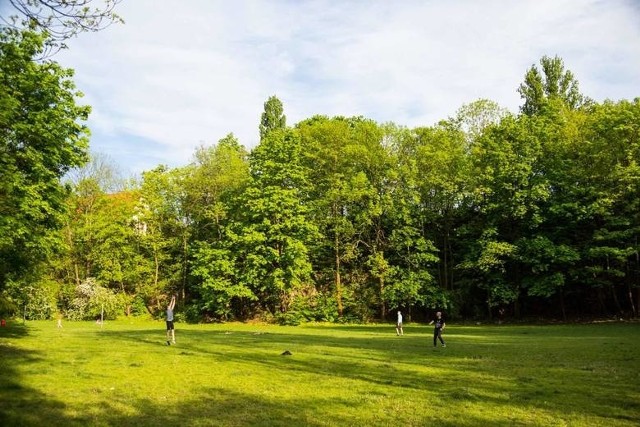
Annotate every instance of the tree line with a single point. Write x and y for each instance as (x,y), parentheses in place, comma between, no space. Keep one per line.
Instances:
(330,219)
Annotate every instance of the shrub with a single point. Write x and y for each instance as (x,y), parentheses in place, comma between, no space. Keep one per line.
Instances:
(35,301)
(91,299)
(138,307)
(7,307)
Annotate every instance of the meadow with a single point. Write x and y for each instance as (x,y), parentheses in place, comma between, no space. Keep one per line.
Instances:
(124,374)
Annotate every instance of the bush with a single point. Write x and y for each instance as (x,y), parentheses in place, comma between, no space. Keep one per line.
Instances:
(192,314)
(290,318)
(138,307)
(316,307)
(91,299)
(35,301)
(42,303)
(7,307)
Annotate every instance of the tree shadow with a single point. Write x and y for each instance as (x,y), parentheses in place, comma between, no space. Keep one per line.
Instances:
(216,406)
(21,405)
(384,361)
(390,361)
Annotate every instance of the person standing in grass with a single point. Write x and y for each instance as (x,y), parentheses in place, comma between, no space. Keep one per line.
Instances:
(399,324)
(171,335)
(439,327)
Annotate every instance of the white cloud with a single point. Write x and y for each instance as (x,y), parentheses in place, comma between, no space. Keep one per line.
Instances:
(181,74)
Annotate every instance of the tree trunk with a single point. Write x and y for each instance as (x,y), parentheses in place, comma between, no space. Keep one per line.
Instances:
(614,294)
(635,313)
(338,283)
(445,254)
(633,306)
(157,269)
(185,265)
(451,263)
(383,305)
(603,306)
(77,271)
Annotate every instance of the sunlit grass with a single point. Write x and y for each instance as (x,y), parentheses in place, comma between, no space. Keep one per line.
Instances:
(234,374)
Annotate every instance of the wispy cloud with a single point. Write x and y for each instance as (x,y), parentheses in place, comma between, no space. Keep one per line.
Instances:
(178,75)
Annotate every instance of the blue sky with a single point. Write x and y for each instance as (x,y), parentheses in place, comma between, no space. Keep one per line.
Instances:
(181,74)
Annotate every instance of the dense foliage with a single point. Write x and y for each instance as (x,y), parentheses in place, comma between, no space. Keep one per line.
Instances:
(336,218)
(41,139)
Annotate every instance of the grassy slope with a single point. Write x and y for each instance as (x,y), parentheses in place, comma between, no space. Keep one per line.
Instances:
(231,375)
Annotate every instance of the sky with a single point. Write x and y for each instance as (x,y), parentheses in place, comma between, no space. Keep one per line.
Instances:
(181,74)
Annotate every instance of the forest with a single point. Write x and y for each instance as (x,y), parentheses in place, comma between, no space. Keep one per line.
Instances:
(488,214)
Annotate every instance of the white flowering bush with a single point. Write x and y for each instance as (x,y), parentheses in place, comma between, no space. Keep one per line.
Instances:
(91,298)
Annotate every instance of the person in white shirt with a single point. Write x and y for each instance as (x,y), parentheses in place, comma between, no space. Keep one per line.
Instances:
(171,333)
(399,324)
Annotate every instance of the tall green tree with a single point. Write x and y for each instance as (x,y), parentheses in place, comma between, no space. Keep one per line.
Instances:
(89,185)
(326,145)
(444,167)
(409,253)
(509,192)
(472,119)
(166,229)
(218,173)
(612,160)
(219,176)
(274,229)
(550,82)
(41,138)
(272,117)
(349,168)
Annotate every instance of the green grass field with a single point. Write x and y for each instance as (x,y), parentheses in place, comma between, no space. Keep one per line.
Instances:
(234,375)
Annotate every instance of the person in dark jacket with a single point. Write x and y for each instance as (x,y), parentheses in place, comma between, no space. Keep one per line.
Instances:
(439,327)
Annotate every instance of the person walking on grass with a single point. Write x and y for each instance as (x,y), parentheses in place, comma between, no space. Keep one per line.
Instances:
(399,324)
(439,327)
(171,335)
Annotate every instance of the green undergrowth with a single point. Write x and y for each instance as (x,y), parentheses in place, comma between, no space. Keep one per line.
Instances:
(124,374)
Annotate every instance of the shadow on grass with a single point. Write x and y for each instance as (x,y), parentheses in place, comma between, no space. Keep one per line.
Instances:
(215,406)
(381,363)
(25,406)
(525,376)
(221,407)
(21,405)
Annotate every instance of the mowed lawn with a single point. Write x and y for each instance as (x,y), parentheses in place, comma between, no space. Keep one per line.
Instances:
(124,374)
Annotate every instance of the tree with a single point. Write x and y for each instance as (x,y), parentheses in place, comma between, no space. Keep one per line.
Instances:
(553,82)
(349,167)
(444,168)
(165,233)
(336,189)
(409,253)
(61,19)
(475,117)
(41,138)
(612,169)
(273,117)
(219,176)
(89,210)
(274,230)
(101,170)
(509,192)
